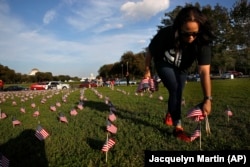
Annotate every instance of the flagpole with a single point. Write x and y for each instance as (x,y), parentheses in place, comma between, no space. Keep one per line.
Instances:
(107,151)
(200,135)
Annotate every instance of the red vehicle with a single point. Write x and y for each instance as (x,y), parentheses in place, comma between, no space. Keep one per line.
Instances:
(39,86)
(236,74)
(88,84)
(1,84)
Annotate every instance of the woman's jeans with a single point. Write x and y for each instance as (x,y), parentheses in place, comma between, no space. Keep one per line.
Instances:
(174,81)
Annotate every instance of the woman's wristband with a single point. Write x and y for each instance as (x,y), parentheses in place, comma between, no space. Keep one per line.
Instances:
(208,98)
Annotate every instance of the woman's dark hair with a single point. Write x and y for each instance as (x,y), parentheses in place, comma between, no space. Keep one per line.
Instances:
(192,13)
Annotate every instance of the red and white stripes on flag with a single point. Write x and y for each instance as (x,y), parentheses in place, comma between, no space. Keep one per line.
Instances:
(33,105)
(196,114)
(111,116)
(62,118)
(196,133)
(73,112)
(22,110)
(41,133)
(2,115)
(80,105)
(108,144)
(52,108)
(58,104)
(111,128)
(36,113)
(229,112)
(15,122)
(4,162)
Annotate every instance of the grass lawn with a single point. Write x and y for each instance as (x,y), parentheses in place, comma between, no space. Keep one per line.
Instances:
(139,123)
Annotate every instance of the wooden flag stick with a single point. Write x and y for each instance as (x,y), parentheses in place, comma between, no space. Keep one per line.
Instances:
(200,135)
(107,151)
(207,126)
(228,109)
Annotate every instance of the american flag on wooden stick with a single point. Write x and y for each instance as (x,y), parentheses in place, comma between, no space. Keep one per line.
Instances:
(15,122)
(111,128)
(62,118)
(22,110)
(36,113)
(41,133)
(108,144)
(196,133)
(196,113)
(52,108)
(33,105)
(111,116)
(73,112)
(2,115)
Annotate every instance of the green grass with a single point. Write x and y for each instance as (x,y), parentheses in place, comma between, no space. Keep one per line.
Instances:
(139,122)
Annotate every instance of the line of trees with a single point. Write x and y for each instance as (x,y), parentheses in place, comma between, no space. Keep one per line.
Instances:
(10,76)
(230,49)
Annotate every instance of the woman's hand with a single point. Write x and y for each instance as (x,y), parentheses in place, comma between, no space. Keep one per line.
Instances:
(207,107)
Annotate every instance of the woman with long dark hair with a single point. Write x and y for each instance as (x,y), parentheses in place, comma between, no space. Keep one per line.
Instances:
(174,49)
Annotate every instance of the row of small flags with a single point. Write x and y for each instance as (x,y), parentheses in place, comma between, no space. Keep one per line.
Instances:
(110,128)
(40,132)
(62,117)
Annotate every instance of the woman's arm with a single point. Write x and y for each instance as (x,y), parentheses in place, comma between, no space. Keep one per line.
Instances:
(148,59)
(204,71)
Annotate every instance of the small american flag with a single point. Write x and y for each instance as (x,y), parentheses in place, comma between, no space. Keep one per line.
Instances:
(58,104)
(195,134)
(53,108)
(15,122)
(62,118)
(14,103)
(80,105)
(111,128)
(73,112)
(36,113)
(33,105)
(4,162)
(229,113)
(22,110)
(2,115)
(112,116)
(196,114)
(108,144)
(41,133)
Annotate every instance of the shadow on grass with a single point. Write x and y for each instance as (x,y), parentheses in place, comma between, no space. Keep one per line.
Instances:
(128,115)
(95,144)
(100,106)
(25,150)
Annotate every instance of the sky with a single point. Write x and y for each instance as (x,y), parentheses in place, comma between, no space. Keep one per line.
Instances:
(77,37)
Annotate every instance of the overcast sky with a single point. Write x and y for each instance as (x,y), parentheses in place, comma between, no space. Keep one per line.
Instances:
(77,37)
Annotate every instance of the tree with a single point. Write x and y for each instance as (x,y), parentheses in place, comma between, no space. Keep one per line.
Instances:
(240,20)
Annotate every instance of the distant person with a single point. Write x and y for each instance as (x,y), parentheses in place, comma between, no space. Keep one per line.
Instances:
(127,78)
(174,49)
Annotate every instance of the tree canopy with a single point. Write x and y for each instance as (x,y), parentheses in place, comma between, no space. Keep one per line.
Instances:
(230,49)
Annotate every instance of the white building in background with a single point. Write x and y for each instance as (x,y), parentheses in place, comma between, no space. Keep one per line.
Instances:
(91,77)
(33,71)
